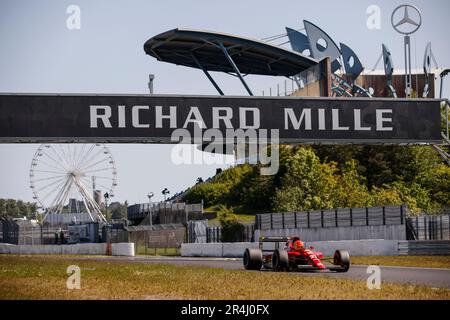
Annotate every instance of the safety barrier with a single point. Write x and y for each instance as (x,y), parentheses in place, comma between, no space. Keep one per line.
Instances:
(425,247)
(375,247)
(236,249)
(347,217)
(115,249)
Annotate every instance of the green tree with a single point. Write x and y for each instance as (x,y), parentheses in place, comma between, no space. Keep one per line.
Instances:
(385,196)
(307,183)
(11,208)
(32,209)
(22,209)
(335,176)
(210,193)
(231,228)
(2,208)
(416,197)
(352,188)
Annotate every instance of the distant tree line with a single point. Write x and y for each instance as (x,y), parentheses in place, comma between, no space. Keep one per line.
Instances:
(323,177)
(11,208)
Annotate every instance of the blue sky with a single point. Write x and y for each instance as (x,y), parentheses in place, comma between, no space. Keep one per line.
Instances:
(39,54)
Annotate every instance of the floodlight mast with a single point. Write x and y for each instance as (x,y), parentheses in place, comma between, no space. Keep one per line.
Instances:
(150,208)
(151,77)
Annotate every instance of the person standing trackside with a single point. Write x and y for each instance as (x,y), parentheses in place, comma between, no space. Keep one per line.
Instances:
(61,233)
(56,237)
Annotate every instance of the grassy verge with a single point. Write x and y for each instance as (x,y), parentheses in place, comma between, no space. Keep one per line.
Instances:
(38,277)
(243,216)
(405,261)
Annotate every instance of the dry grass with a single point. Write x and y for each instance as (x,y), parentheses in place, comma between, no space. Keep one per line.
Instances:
(38,277)
(405,261)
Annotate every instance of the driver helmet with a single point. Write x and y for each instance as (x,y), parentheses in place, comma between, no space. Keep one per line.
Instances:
(298,244)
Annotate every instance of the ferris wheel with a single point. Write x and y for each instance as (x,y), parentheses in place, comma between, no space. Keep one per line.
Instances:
(67,178)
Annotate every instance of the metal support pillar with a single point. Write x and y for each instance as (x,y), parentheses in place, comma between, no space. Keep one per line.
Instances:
(408,80)
(446,118)
(207,74)
(443,75)
(236,70)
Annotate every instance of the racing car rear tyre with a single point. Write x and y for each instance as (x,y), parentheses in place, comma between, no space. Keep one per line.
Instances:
(342,258)
(253,259)
(280,260)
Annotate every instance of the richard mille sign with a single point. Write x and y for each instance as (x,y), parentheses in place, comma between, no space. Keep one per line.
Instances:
(143,118)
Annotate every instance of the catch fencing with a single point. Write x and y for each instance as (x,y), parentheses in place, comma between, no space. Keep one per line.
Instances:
(348,217)
(197,231)
(429,227)
(52,234)
(116,234)
(165,212)
(162,239)
(55,219)
(25,232)
(10,231)
(213,234)
(246,234)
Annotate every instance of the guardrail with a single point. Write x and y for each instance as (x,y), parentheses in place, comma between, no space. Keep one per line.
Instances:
(425,247)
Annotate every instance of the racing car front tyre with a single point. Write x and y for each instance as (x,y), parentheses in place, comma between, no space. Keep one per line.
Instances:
(252,259)
(342,259)
(280,260)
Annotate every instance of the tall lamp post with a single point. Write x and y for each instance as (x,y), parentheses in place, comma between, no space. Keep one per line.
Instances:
(151,77)
(106,195)
(165,192)
(150,208)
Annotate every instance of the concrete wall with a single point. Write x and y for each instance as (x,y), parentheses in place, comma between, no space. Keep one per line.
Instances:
(357,247)
(354,247)
(389,232)
(122,249)
(202,249)
(226,249)
(119,249)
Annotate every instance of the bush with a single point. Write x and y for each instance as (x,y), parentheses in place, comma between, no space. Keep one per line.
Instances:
(210,193)
(231,228)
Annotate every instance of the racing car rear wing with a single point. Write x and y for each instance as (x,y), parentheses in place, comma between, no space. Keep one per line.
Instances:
(274,239)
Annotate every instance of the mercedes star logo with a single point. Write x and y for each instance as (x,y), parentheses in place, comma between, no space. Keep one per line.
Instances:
(410,22)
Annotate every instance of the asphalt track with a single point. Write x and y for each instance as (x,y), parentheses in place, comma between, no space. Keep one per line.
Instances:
(433,277)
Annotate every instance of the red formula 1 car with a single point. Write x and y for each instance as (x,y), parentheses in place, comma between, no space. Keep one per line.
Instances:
(293,257)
